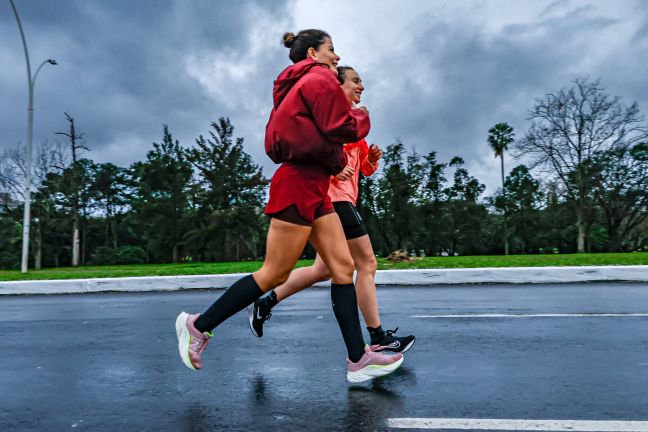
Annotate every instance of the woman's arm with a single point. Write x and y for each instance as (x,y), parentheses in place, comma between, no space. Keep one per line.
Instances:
(369,163)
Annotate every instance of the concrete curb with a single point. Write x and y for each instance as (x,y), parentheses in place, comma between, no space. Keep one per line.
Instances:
(510,275)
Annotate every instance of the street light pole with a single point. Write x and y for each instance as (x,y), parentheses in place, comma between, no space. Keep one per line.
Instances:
(30,127)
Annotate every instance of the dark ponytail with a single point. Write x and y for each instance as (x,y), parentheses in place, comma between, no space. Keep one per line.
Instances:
(300,43)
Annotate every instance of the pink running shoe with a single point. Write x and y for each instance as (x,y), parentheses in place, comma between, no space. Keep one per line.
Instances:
(372,365)
(191,343)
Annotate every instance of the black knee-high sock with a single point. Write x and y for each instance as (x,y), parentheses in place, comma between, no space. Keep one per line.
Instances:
(241,294)
(345,307)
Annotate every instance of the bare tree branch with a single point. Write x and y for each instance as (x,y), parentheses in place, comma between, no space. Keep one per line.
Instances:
(569,128)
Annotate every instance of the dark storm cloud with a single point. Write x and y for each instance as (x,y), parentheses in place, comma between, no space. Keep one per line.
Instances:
(122,69)
(478,79)
(128,67)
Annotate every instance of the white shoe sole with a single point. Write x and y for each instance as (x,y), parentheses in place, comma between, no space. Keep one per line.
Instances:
(183,339)
(250,310)
(373,371)
(409,345)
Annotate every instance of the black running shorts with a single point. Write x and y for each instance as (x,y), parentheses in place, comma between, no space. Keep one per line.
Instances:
(352,223)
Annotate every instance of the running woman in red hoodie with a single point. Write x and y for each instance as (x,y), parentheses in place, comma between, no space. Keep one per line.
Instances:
(310,121)
(343,192)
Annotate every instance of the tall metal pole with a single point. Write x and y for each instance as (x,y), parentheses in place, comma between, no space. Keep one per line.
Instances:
(30,128)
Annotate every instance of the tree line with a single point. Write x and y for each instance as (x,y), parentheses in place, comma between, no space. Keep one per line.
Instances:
(580,185)
(200,203)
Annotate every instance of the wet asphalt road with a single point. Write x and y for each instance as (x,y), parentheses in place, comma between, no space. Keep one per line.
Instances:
(109,362)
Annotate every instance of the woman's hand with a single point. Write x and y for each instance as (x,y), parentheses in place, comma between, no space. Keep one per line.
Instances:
(345,174)
(374,154)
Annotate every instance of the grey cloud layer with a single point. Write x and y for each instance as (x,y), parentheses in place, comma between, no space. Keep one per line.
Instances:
(484,79)
(121,70)
(128,67)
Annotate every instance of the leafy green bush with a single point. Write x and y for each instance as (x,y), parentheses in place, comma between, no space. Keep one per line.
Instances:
(121,255)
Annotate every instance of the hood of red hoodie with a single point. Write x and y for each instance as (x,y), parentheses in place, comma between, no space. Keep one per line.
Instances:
(289,77)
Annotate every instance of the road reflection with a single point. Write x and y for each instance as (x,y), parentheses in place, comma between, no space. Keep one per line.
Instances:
(268,406)
(368,406)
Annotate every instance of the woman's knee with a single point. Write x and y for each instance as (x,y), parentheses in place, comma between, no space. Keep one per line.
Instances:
(322,275)
(367,264)
(344,268)
(268,279)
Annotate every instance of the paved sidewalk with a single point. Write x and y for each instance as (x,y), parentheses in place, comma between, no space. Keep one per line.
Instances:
(511,275)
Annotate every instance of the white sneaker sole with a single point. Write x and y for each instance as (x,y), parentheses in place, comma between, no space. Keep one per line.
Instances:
(373,371)
(409,345)
(250,310)
(183,339)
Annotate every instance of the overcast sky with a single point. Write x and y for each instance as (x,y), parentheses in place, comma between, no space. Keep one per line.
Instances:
(438,74)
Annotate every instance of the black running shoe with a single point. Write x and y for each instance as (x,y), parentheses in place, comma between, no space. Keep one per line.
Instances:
(389,342)
(259,312)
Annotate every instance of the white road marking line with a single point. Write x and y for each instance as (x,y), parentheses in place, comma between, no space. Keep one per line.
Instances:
(557,315)
(519,425)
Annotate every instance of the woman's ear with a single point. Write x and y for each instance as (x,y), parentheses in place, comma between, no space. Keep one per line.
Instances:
(312,53)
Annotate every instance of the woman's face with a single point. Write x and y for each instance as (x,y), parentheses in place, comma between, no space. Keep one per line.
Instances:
(352,86)
(325,54)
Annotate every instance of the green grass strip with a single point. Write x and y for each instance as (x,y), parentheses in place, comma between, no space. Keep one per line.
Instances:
(634,258)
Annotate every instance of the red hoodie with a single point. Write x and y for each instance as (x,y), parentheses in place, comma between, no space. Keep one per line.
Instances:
(311,118)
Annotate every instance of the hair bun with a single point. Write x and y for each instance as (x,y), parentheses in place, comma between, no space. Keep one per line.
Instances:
(289,39)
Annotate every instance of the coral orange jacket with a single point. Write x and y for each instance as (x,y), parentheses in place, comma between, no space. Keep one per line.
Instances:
(347,190)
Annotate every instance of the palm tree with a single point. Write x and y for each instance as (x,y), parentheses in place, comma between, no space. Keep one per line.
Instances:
(499,137)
